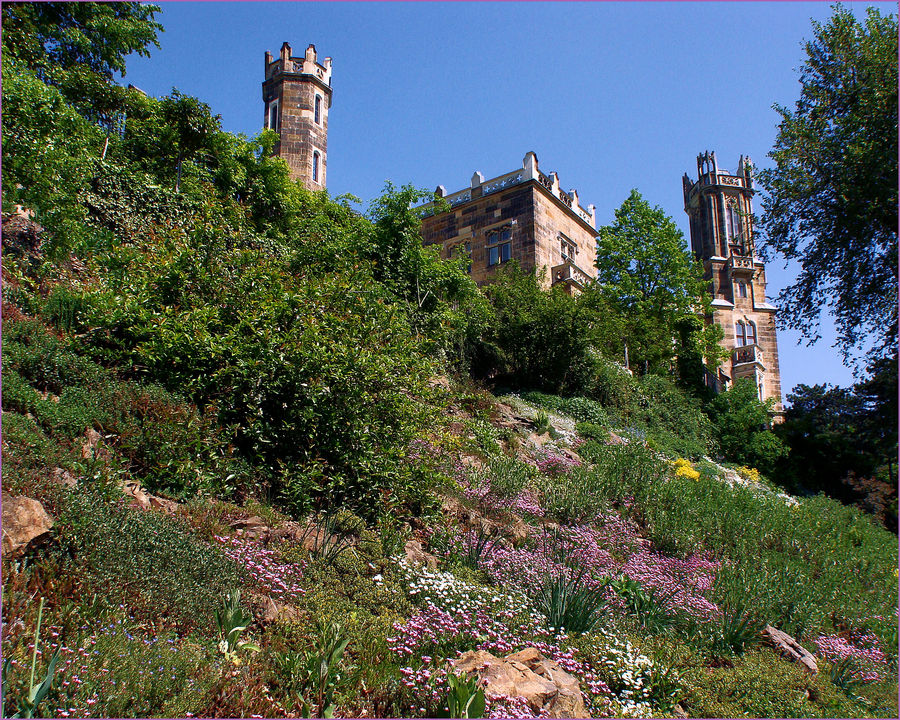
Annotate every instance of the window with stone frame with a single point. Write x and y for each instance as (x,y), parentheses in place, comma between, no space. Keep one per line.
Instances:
(498,245)
(733,222)
(273,116)
(741,291)
(740,333)
(318,110)
(744,333)
(751,333)
(315,167)
(568,250)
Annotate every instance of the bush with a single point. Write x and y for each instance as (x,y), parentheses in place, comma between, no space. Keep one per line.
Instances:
(538,339)
(761,684)
(846,562)
(741,420)
(146,560)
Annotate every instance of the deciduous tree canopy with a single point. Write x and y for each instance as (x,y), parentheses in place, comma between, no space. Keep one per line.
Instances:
(645,272)
(831,200)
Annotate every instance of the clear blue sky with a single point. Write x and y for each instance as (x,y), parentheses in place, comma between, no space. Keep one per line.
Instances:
(612,96)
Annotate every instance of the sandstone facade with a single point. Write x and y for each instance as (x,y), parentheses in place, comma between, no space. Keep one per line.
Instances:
(719,206)
(297,98)
(521,216)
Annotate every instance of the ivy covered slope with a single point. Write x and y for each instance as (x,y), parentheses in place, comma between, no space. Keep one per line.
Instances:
(265,456)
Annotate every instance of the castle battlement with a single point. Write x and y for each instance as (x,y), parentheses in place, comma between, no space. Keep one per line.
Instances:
(306,65)
(522,216)
(528,172)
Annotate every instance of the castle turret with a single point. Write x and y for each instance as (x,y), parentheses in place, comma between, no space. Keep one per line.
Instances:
(719,207)
(297,97)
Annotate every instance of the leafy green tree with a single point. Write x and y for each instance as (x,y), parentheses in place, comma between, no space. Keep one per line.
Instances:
(742,422)
(831,200)
(79,47)
(50,154)
(539,338)
(443,302)
(834,432)
(646,274)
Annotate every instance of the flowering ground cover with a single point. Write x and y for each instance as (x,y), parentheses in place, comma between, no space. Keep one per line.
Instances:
(628,525)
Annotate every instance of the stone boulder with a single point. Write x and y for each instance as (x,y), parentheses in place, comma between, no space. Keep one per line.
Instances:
(25,524)
(254,527)
(541,682)
(417,556)
(273,611)
(790,649)
(140,499)
(21,235)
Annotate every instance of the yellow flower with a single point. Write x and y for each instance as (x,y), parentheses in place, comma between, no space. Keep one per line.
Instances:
(683,468)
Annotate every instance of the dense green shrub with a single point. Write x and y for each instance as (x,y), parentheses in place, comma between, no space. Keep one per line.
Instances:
(146,560)
(761,684)
(538,338)
(741,421)
(28,453)
(45,361)
(847,564)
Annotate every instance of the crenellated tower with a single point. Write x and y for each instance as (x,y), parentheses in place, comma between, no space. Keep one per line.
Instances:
(297,97)
(719,207)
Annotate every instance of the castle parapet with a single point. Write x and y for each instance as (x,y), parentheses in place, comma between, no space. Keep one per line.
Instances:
(307,65)
(529,171)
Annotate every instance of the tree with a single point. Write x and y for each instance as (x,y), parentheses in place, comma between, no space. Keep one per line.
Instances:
(831,199)
(539,338)
(645,273)
(78,47)
(836,432)
(741,420)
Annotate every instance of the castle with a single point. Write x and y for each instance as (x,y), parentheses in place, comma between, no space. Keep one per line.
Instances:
(526,216)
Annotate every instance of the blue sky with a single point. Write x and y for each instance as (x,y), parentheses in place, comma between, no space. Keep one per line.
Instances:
(612,96)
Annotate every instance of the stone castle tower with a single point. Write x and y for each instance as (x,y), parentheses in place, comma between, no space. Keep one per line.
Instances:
(297,97)
(719,207)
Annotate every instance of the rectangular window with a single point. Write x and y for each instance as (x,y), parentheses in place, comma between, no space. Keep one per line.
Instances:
(498,254)
(318,110)
(273,116)
(499,245)
(742,290)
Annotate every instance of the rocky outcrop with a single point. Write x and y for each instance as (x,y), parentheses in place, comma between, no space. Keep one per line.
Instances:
(512,529)
(25,524)
(21,235)
(415,555)
(142,500)
(790,649)
(254,527)
(273,611)
(541,682)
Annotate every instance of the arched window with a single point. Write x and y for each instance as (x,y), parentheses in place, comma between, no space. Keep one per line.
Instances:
(740,333)
(732,222)
(273,116)
(316,167)
(318,109)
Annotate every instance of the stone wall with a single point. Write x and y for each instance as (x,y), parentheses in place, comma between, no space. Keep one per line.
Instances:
(534,217)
